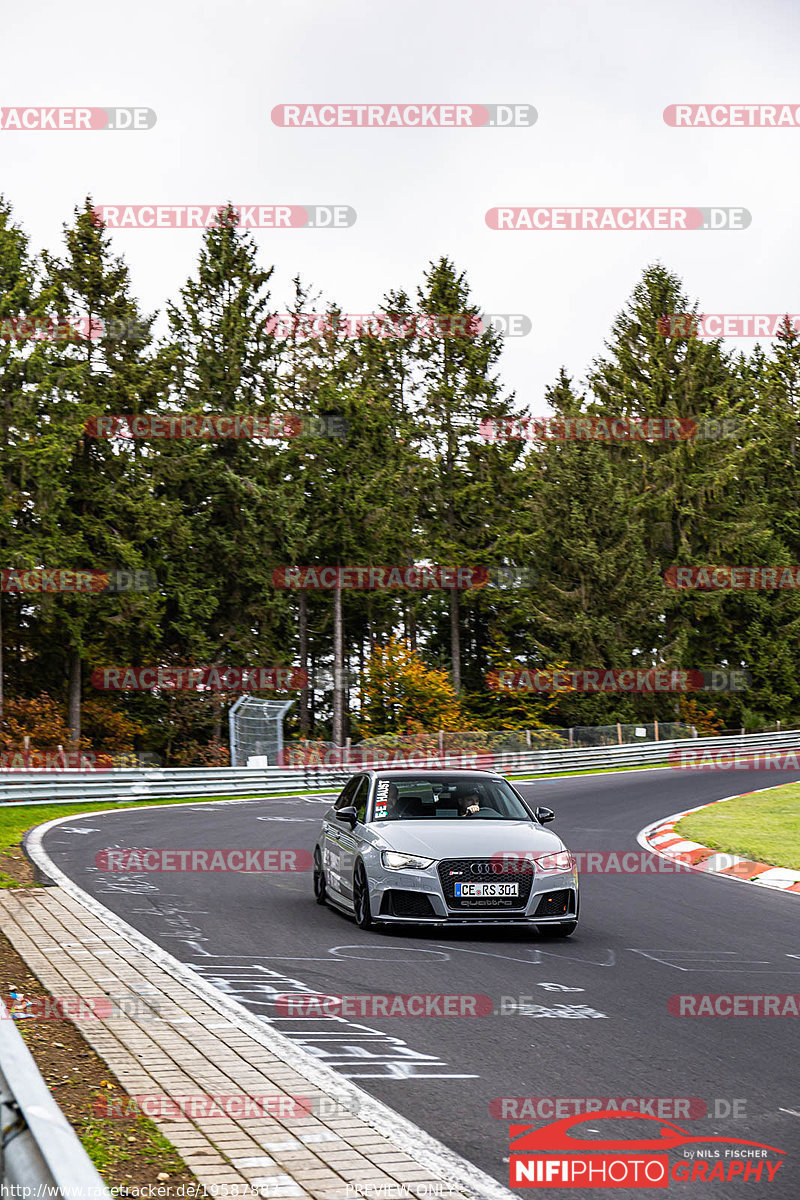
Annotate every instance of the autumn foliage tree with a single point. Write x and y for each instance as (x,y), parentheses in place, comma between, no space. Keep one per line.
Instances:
(402,695)
(43,721)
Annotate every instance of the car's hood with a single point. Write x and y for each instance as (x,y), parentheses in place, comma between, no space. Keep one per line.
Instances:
(466,836)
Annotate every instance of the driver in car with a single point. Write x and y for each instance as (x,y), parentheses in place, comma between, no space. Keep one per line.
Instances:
(469,803)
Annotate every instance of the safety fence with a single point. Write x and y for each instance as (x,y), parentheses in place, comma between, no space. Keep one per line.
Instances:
(330,770)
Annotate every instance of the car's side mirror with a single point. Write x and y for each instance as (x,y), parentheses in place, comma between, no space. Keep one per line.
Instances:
(543,815)
(348,814)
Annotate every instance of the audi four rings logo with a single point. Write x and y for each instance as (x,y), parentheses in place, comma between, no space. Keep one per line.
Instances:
(486,868)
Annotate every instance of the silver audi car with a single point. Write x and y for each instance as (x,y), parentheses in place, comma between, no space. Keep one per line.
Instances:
(444,848)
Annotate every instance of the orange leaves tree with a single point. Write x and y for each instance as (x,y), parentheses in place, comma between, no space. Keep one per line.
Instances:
(706,721)
(402,695)
(43,721)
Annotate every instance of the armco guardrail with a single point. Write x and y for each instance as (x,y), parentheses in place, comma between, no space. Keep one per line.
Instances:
(40,1154)
(173,782)
(178,782)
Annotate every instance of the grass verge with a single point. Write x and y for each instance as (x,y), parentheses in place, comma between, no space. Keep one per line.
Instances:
(129,1152)
(762,826)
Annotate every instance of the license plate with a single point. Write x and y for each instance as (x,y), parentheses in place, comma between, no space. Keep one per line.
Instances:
(487,889)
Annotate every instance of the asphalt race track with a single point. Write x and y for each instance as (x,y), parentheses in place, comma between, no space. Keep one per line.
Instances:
(598,1023)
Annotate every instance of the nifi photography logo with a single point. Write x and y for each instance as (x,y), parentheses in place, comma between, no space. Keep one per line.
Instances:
(553,1156)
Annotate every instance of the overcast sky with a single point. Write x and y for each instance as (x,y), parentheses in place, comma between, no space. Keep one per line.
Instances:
(599,76)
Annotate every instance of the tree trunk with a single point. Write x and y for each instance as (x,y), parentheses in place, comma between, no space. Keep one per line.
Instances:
(303,698)
(411,625)
(217,731)
(361,677)
(455,640)
(338,669)
(2,665)
(312,695)
(74,706)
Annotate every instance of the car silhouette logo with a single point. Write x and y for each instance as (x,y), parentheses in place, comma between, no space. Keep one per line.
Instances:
(556,1136)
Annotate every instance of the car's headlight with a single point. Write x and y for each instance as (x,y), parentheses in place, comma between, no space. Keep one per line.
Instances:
(397,862)
(560,861)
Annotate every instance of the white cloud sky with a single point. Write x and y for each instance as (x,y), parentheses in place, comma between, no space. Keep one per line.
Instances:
(599,75)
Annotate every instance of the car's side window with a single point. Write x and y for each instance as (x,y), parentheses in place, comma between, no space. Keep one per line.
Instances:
(360,799)
(348,792)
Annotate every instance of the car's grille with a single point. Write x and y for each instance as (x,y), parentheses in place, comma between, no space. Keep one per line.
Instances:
(482,870)
(555,904)
(406,904)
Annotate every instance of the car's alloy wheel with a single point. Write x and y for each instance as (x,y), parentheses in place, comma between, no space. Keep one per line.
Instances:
(319,878)
(361,898)
(554,931)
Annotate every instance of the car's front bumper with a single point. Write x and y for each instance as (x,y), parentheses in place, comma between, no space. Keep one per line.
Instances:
(418,897)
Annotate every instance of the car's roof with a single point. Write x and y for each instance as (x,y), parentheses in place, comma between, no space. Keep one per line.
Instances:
(411,773)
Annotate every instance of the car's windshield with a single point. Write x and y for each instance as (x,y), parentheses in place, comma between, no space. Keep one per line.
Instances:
(454,799)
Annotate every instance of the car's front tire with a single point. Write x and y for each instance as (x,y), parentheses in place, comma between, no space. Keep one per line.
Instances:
(319,878)
(362,911)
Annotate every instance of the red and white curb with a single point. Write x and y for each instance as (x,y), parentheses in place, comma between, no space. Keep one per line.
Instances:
(662,838)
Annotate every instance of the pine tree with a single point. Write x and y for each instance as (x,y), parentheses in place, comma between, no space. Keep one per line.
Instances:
(19,310)
(458,391)
(598,598)
(230,493)
(92,496)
